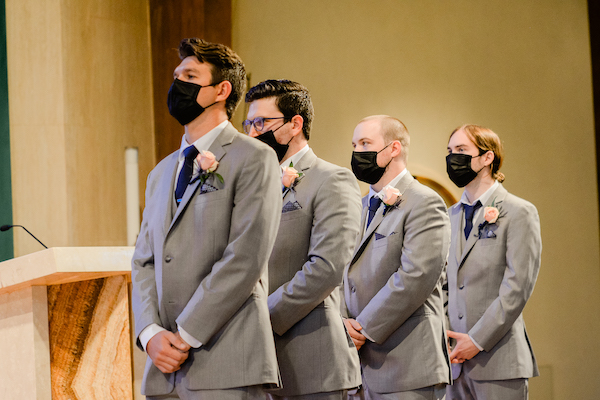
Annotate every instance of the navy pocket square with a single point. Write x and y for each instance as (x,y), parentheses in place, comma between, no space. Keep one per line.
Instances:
(488,235)
(291,206)
(379,236)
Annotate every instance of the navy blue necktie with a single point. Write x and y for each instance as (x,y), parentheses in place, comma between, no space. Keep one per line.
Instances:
(374,204)
(469,212)
(185,176)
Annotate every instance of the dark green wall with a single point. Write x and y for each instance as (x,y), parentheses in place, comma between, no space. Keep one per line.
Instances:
(6,238)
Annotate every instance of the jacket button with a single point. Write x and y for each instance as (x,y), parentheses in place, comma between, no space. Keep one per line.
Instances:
(461,287)
(460,316)
(168,259)
(353,289)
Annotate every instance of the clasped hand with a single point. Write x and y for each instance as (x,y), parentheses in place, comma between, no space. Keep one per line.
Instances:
(167,351)
(464,349)
(354,328)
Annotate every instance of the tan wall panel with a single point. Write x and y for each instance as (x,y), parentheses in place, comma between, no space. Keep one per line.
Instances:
(80,92)
(520,68)
(38,166)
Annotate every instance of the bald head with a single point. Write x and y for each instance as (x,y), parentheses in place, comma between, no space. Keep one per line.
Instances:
(391,129)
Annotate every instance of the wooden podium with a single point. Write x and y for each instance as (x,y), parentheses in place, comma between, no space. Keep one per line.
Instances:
(64,324)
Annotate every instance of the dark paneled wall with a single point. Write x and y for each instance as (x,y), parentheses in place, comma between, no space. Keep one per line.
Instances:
(171,21)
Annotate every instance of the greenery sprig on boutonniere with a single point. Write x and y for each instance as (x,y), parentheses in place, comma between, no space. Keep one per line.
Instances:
(208,166)
(290,177)
(391,198)
(491,215)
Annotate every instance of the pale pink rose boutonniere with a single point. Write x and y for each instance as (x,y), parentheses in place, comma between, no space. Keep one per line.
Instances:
(391,198)
(208,165)
(491,215)
(290,177)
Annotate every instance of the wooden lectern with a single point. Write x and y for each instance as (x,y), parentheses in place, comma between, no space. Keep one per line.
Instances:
(64,324)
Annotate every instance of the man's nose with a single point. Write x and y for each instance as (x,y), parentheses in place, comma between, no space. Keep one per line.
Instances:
(253,133)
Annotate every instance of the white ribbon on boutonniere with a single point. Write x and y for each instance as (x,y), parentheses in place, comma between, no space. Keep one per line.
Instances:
(391,198)
(208,167)
(491,215)
(290,178)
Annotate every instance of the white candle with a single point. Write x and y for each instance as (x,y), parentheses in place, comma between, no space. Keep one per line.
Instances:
(132,194)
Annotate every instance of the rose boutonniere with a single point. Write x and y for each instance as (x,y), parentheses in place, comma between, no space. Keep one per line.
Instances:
(290,177)
(491,215)
(208,165)
(391,198)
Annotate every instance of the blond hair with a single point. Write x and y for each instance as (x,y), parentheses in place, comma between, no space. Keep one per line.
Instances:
(486,140)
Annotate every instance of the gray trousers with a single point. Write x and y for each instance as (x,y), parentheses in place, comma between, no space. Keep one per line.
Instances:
(465,388)
(337,395)
(437,392)
(242,393)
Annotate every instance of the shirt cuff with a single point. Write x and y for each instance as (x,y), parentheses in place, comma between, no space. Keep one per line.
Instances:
(475,343)
(366,335)
(189,339)
(148,333)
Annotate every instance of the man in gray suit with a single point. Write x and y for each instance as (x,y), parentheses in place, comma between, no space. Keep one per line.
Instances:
(493,264)
(392,286)
(319,224)
(199,271)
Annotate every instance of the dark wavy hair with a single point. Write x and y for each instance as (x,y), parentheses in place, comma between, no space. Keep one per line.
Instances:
(291,98)
(225,65)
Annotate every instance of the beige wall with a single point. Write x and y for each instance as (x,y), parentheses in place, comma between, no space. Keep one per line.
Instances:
(520,68)
(79,93)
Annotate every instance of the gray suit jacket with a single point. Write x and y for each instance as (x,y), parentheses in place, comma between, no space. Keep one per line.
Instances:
(393,288)
(489,283)
(314,244)
(203,266)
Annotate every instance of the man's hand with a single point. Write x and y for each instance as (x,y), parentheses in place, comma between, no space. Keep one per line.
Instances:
(167,351)
(464,349)
(354,328)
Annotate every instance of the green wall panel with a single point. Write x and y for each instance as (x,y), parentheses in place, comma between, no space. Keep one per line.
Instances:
(6,238)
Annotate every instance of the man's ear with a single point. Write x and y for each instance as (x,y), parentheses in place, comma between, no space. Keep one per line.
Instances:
(488,157)
(223,90)
(297,124)
(396,148)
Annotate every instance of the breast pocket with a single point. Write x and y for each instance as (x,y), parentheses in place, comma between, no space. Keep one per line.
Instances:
(390,240)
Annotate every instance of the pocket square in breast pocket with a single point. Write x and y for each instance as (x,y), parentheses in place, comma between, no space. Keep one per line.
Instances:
(379,236)
(291,206)
(207,188)
(488,235)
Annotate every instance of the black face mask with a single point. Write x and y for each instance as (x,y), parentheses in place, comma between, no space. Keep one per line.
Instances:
(459,168)
(182,101)
(269,138)
(365,168)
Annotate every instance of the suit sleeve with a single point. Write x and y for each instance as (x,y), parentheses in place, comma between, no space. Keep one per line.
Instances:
(424,252)
(335,226)
(254,223)
(523,256)
(144,296)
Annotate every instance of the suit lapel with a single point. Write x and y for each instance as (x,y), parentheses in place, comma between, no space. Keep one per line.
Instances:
(166,191)
(379,217)
(497,197)
(456,214)
(218,149)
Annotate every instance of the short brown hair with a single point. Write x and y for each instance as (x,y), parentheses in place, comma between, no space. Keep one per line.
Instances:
(392,129)
(486,140)
(225,65)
